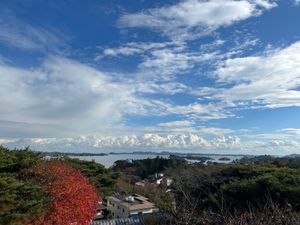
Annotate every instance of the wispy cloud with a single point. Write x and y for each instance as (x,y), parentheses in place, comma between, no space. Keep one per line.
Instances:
(63,93)
(193,18)
(297,2)
(178,123)
(132,48)
(17,33)
(69,97)
(270,80)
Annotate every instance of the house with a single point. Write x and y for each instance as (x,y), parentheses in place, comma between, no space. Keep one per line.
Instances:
(164,181)
(127,206)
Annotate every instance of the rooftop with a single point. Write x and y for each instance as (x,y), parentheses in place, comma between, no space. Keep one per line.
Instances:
(140,219)
(133,202)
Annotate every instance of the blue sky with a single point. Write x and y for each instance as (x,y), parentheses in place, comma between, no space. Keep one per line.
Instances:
(191,75)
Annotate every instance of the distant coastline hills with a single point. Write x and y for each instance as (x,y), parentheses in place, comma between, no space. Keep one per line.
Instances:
(190,155)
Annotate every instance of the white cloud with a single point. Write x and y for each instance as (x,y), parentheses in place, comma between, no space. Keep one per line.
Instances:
(132,48)
(191,18)
(178,123)
(215,131)
(144,141)
(121,51)
(168,62)
(291,131)
(65,95)
(163,60)
(296,2)
(255,144)
(200,112)
(270,80)
(18,34)
(169,88)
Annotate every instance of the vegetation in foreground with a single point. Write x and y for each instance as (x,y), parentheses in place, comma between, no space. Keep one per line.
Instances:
(236,194)
(244,193)
(36,191)
(257,191)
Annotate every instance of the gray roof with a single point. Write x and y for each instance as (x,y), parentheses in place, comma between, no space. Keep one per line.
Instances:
(134,220)
(140,202)
(121,221)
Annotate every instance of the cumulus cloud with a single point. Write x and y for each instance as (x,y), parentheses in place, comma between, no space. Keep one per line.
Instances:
(144,141)
(189,142)
(190,18)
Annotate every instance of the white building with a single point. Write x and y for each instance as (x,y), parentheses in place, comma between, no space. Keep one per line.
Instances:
(124,207)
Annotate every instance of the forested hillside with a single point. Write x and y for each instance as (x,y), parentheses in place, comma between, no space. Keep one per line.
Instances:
(262,190)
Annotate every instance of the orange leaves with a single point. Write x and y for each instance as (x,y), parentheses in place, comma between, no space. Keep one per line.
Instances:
(73,198)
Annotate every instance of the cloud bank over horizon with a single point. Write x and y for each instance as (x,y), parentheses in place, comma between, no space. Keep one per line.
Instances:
(282,142)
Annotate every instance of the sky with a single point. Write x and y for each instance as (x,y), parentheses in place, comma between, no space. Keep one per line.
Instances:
(205,76)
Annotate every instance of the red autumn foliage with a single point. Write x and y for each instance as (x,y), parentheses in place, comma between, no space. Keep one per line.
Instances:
(73,198)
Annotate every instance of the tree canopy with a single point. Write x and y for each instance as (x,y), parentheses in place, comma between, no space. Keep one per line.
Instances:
(38,191)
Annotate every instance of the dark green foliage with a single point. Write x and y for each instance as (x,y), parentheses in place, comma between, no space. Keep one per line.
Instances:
(17,160)
(237,194)
(146,167)
(287,161)
(103,179)
(239,186)
(20,199)
(279,183)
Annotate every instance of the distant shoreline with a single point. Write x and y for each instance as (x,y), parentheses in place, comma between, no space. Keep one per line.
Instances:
(55,154)
(138,153)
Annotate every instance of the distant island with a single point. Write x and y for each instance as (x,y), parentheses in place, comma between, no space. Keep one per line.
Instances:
(188,154)
(61,154)
(224,159)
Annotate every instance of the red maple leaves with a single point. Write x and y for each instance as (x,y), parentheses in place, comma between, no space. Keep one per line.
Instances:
(73,198)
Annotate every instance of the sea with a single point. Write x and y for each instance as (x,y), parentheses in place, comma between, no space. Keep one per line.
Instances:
(110,159)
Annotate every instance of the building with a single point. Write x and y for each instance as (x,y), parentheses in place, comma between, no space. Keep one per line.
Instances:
(164,181)
(125,207)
